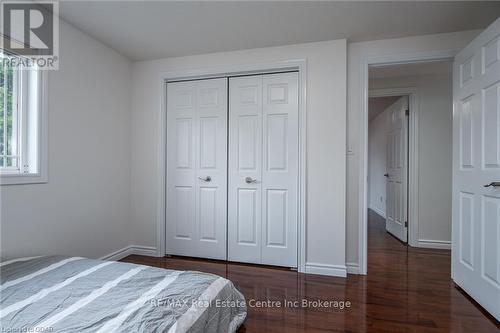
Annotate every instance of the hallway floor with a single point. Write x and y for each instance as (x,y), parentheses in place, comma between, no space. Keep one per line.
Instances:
(406,290)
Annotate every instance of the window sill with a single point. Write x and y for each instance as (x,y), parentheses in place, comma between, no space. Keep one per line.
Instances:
(20,179)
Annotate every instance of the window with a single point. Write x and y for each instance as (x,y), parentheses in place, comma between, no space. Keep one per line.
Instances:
(22,121)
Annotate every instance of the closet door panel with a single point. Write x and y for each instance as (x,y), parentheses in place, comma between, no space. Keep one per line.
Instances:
(280,169)
(181,186)
(211,176)
(197,168)
(246,220)
(245,169)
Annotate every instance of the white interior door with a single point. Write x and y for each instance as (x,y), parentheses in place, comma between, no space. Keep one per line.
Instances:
(245,163)
(263,169)
(280,115)
(476,164)
(397,169)
(197,168)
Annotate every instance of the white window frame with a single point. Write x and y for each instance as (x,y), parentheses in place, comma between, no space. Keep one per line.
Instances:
(32,122)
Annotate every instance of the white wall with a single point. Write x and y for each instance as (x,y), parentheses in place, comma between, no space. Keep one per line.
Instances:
(435,153)
(326,137)
(377,139)
(357,53)
(84,208)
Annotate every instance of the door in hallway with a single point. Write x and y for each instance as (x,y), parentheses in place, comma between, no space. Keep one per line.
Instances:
(397,169)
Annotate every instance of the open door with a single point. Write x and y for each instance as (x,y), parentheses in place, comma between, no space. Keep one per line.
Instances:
(397,169)
(476,169)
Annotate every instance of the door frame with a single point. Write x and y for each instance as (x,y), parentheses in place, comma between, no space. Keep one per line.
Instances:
(299,65)
(380,61)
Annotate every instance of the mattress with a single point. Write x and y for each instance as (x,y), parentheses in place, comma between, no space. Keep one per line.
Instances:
(73,294)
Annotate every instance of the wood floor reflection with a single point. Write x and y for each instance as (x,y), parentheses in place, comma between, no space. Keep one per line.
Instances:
(406,290)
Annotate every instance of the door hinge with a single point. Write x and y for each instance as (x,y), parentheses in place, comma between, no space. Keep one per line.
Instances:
(407,112)
(406,224)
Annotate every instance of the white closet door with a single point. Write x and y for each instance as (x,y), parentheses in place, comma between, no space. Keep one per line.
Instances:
(279,169)
(263,158)
(245,169)
(197,168)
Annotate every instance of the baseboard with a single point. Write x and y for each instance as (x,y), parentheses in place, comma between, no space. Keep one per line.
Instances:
(129,250)
(311,268)
(378,211)
(324,269)
(434,244)
(352,267)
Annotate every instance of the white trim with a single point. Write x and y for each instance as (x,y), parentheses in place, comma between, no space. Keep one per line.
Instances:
(434,244)
(129,250)
(365,63)
(413,153)
(161,170)
(376,210)
(324,269)
(227,71)
(42,175)
(352,268)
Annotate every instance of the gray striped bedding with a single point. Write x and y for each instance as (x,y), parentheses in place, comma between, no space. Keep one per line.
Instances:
(72,294)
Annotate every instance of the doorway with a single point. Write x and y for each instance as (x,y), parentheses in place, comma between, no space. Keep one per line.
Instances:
(475,80)
(409,154)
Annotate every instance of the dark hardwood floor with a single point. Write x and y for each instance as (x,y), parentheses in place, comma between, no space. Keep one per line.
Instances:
(406,290)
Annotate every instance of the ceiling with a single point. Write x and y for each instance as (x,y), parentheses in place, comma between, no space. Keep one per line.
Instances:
(377,105)
(144,30)
(415,69)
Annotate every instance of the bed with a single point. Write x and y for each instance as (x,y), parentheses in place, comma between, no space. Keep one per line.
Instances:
(73,294)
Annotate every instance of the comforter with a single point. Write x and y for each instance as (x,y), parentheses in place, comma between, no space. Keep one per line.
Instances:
(73,294)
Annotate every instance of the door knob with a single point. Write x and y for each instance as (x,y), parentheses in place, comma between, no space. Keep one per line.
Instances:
(386,175)
(493,184)
(205,179)
(250,180)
